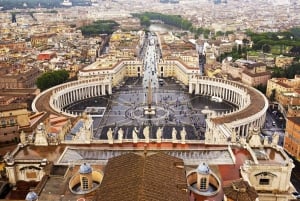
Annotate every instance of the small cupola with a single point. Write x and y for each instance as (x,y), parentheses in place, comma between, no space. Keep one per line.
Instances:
(31,196)
(203,173)
(86,178)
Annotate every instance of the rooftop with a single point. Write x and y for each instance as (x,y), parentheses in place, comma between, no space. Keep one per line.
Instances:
(153,177)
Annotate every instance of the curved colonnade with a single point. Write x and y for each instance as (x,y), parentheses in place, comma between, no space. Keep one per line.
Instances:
(67,93)
(251,104)
(251,107)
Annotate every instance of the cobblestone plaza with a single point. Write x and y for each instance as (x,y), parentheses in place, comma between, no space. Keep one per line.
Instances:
(174,108)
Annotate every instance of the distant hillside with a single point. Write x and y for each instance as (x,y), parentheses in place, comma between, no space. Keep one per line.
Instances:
(11,4)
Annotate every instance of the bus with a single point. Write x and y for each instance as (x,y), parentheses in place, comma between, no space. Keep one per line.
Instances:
(161,82)
(216,99)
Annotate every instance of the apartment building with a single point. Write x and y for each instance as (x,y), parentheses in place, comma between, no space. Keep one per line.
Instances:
(285,91)
(292,137)
(12,118)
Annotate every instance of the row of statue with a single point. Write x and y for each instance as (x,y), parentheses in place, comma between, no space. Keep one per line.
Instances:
(146,133)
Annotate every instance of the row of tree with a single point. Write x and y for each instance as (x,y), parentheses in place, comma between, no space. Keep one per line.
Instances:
(51,78)
(31,13)
(99,27)
(9,4)
(287,38)
(288,72)
(172,20)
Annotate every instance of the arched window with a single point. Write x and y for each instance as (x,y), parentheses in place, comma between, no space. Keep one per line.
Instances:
(85,183)
(203,183)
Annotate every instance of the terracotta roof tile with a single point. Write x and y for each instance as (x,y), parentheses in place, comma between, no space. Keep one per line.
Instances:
(132,177)
(240,190)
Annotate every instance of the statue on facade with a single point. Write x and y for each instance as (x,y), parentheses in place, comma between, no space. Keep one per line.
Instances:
(254,137)
(183,135)
(110,136)
(275,139)
(135,135)
(174,134)
(233,136)
(41,135)
(146,133)
(120,134)
(159,134)
(266,140)
(23,137)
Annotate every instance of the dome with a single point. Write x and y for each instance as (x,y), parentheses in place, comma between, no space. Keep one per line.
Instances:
(85,169)
(203,169)
(31,196)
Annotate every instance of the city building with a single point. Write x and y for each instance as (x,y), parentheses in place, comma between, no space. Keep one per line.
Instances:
(16,77)
(59,158)
(284,91)
(13,117)
(249,72)
(292,137)
(283,61)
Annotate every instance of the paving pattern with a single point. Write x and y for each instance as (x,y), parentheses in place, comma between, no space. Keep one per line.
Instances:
(174,107)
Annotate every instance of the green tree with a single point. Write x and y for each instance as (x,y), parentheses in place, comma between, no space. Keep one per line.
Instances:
(50,79)
(261,88)
(266,48)
(293,70)
(145,21)
(99,27)
(278,72)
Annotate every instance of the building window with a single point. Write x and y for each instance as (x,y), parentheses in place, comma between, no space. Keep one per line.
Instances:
(12,121)
(203,183)
(264,181)
(85,183)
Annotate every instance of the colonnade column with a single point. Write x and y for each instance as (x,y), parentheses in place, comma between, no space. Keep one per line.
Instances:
(109,88)
(191,87)
(103,89)
(197,91)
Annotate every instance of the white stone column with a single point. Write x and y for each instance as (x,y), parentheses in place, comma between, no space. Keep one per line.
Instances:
(94,91)
(229,95)
(74,96)
(239,130)
(59,101)
(11,174)
(109,88)
(197,90)
(191,87)
(65,99)
(235,98)
(247,129)
(103,89)
(90,88)
(99,90)
(69,97)
(201,88)
(243,131)
(79,94)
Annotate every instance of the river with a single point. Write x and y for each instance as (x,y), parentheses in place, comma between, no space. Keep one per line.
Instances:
(161,28)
